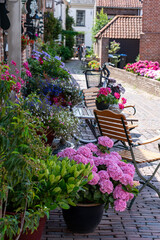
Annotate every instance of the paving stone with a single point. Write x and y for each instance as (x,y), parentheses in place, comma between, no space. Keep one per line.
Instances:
(143,220)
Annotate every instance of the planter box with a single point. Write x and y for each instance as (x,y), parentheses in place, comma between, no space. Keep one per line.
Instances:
(147,84)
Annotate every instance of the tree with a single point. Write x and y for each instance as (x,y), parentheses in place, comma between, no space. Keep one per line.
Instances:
(100,21)
(52,27)
(70,33)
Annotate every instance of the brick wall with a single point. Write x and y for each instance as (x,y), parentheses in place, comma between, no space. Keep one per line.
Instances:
(147,84)
(101,50)
(150,38)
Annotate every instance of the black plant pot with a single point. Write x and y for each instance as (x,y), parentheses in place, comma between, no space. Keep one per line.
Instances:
(83,218)
(102,105)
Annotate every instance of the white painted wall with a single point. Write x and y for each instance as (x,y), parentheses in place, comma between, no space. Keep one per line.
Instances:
(88,7)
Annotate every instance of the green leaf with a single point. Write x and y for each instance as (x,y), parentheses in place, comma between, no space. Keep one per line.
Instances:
(57,189)
(63,205)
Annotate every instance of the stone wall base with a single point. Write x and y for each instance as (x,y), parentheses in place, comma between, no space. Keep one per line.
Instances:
(146,84)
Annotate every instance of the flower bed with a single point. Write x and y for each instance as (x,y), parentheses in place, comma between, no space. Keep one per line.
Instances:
(145,68)
(148,85)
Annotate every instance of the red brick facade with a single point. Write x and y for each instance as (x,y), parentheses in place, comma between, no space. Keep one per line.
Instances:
(150,37)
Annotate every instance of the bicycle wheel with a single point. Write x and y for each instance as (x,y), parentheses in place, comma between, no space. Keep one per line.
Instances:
(87,131)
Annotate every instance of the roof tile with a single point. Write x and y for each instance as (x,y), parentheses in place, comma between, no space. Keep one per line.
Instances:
(119,3)
(124,27)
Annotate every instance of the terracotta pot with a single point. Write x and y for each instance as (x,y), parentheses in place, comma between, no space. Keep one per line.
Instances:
(84,218)
(36,235)
(50,135)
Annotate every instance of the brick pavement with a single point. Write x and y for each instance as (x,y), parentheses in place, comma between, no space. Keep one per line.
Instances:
(143,220)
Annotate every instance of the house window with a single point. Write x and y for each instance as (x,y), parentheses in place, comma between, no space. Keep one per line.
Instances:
(79,39)
(80,19)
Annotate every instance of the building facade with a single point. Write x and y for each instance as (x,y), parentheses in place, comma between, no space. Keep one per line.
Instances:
(119,7)
(150,37)
(83,13)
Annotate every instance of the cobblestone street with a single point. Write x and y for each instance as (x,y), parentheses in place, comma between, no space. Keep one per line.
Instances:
(143,220)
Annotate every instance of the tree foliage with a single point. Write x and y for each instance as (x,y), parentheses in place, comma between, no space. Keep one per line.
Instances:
(52,27)
(100,21)
(69,33)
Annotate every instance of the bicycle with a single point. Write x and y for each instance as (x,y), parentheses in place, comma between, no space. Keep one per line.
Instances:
(88,129)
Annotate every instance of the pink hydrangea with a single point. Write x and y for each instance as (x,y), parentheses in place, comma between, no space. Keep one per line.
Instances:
(128,168)
(68,152)
(119,193)
(105,141)
(120,205)
(126,179)
(115,155)
(114,171)
(92,147)
(103,174)
(80,158)
(106,186)
(95,179)
(85,151)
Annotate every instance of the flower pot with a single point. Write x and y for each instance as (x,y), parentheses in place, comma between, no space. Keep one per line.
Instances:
(84,218)
(102,105)
(115,108)
(36,235)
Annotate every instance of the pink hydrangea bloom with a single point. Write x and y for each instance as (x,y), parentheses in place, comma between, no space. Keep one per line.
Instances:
(115,155)
(119,193)
(92,147)
(85,151)
(80,158)
(128,168)
(68,152)
(120,205)
(105,141)
(126,179)
(103,174)
(106,186)
(115,171)
(95,179)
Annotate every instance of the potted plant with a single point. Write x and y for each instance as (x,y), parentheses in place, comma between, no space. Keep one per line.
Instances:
(28,168)
(110,98)
(48,76)
(94,65)
(57,121)
(112,184)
